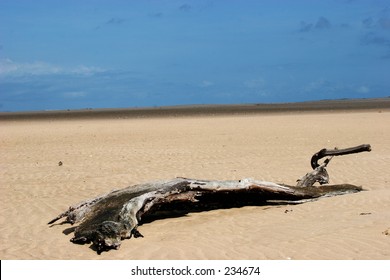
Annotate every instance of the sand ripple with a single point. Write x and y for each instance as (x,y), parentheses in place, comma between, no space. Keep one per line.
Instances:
(101,155)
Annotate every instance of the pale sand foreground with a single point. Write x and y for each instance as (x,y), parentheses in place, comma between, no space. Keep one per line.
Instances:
(104,154)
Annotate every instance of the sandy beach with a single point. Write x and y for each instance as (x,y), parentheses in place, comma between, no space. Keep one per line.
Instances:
(99,154)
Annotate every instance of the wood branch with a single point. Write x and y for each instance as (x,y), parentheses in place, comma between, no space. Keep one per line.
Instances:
(338,152)
(112,217)
(106,220)
(319,174)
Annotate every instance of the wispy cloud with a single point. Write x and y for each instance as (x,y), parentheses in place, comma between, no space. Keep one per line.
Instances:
(384,23)
(372,23)
(372,38)
(85,70)
(336,89)
(379,21)
(377,31)
(157,15)
(255,83)
(316,85)
(9,67)
(363,89)
(206,84)
(321,24)
(75,94)
(185,7)
(115,21)
(368,22)
(305,27)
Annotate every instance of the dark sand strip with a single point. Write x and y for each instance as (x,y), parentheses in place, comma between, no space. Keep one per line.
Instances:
(207,110)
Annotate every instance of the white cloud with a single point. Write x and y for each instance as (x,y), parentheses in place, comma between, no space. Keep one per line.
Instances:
(86,70)
(9,67)
(75,94)
(363,89)
(315,85)
(205,84)
(255,83)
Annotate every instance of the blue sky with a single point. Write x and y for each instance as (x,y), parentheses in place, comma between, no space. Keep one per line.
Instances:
(99,54)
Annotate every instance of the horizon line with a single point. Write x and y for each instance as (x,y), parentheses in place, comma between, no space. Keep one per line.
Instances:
(345,104)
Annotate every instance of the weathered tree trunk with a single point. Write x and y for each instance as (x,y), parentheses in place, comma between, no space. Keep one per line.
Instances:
(107,219)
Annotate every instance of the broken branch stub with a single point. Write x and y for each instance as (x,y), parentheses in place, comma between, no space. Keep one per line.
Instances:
(110,218)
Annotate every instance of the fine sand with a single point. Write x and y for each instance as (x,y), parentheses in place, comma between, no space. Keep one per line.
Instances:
(106,153)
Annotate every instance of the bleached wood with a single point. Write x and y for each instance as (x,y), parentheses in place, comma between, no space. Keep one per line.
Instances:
(112,217)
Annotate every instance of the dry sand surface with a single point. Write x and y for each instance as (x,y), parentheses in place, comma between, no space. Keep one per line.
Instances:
(102,154)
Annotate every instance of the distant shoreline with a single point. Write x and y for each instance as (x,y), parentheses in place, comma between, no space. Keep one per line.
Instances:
(198,110)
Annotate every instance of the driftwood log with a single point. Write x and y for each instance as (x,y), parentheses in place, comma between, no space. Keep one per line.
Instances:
(112,217)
